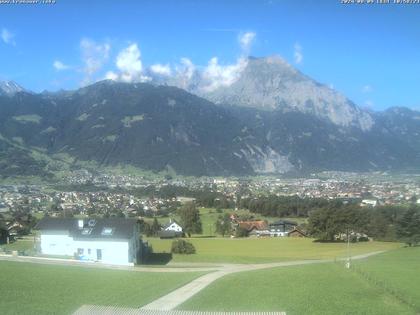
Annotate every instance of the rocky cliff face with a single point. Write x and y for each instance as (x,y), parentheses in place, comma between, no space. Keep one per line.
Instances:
(270,119)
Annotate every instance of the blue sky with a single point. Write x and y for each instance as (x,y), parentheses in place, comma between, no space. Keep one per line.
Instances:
(370,53)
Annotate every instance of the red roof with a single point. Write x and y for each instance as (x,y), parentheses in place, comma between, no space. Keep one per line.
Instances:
(253,225)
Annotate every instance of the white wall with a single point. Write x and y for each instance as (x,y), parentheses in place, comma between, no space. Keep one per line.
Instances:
(57,244)
(113,252)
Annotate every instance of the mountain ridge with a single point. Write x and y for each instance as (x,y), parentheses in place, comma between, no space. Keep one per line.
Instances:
(158,127)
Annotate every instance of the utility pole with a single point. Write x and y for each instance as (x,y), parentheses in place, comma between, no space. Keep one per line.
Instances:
(348,250)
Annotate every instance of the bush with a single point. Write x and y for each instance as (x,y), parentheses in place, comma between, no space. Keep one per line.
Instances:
(241,232)
(182,247)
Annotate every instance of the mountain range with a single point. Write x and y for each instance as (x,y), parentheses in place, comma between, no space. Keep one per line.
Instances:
(270,119)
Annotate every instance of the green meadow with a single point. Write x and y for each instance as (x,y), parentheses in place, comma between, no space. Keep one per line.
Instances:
(29,288)
(397,272)
(389,284)
(260,250)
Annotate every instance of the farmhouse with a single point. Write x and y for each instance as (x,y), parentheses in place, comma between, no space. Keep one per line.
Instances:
(111,241)
(255,228)
(171,229)
(282,227)
(172,226)
(296,233)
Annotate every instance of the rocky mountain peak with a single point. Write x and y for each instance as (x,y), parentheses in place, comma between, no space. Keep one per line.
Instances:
(271,83)
(10,88)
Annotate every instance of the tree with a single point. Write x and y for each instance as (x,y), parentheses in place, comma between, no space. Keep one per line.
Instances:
(145,228)
(155,228)
(408,227)
(190,219)
(3,233)
(241,232)
(223,225)
(182,247)
(327,223)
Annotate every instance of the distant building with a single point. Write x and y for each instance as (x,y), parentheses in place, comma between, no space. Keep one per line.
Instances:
(282,227)
(296,233)
(172,225)
(369,203)
(111,241)
(171,229)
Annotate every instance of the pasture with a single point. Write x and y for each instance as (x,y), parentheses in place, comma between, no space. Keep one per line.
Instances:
(397,272)
(260,250)
(29,288)
(322,289)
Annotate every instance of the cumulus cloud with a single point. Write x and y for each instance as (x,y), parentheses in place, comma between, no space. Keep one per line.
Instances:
(298,55)
(129,65)
(7,37)
(184,72)
(216,75)
(111,75)
(160,69)
(246,40)
(94,56)
(59,66)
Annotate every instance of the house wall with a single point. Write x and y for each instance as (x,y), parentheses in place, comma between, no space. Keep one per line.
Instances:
(57,243)
(113,252)
(119,252)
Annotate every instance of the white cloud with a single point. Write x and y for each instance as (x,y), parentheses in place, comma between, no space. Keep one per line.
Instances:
(59,66)
(367,88)
(160,69)
(216,75)
(7,37)
(246,40)
(184,72)
(298,55)
(94,56)
(110,75)
(130,66)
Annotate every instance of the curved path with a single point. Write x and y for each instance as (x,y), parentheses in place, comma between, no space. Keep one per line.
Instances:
(179,296)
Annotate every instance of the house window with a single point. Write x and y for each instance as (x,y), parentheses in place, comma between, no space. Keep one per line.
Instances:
(87,231)
(107,231)
(80,251)
(89,251)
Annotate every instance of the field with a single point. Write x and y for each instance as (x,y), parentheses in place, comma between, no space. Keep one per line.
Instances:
(320,289)
(20,245)
(397,272)
(253,250)
(45,289)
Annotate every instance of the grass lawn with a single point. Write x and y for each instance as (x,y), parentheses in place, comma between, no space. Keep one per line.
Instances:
(46,289)
(254,250)
(312,289)
(24,244)
(397,271)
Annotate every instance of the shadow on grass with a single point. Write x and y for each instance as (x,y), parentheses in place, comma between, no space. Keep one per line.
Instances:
(158,258)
